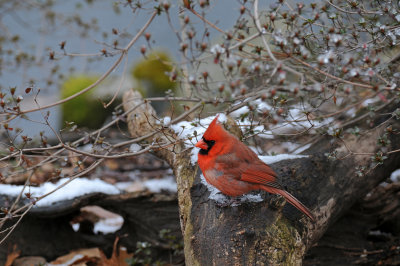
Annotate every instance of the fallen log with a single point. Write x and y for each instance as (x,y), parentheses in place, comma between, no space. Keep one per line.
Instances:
(272,232)
(46,231)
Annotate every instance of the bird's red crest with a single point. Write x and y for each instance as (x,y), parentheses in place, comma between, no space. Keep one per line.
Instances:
(214,131)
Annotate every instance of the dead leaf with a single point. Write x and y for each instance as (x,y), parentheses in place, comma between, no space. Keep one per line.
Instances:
(112,164)
(135,186)
(99,212)
(79,257)
(117,258)
(114,257)
(12,256)
(30,260)
(123,256)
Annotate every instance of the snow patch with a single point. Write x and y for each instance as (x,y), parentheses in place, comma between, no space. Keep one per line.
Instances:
(302,148)
(240,111)
(134,175)
(193,155)
(259,104)
(280,157)
(370,101)
(379,233)
(76,188)
(295,148)
(109,225)
(351,112)
(157,185)
(166,121)
(295,113)
(251,198)
(86,148)
(135,147)
(220,198)
(76,227)
(395,176)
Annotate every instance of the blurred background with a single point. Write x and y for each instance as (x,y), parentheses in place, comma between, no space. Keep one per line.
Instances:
(37,36)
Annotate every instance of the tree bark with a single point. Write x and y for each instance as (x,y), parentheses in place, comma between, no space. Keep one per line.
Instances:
(273,232)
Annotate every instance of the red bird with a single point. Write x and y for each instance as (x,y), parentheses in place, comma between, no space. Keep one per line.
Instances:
(234,169)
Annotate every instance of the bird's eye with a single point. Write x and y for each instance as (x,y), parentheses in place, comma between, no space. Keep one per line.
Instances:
(212,142)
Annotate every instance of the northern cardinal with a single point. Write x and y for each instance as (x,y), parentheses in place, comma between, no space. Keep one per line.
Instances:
(234,169)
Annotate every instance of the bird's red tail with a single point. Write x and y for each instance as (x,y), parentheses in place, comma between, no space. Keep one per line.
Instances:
(291,199)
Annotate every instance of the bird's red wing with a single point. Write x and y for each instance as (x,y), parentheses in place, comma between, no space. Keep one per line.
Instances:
(260,174)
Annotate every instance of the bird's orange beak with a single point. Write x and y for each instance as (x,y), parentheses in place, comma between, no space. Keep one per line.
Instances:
(202,145)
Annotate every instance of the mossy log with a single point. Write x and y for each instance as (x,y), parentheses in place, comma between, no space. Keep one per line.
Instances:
(273,232)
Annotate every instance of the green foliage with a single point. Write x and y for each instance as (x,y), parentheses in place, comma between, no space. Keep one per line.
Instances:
(384,140)
(396,113)
(152,71)
(175,244)
(85,110)
(142,254)
(152,76)
(332,156)
(378,158)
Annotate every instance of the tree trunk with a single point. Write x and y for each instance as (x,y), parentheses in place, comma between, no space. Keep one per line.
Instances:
(273,232)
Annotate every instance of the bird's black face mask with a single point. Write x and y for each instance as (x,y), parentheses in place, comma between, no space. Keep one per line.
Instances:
(210,144)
